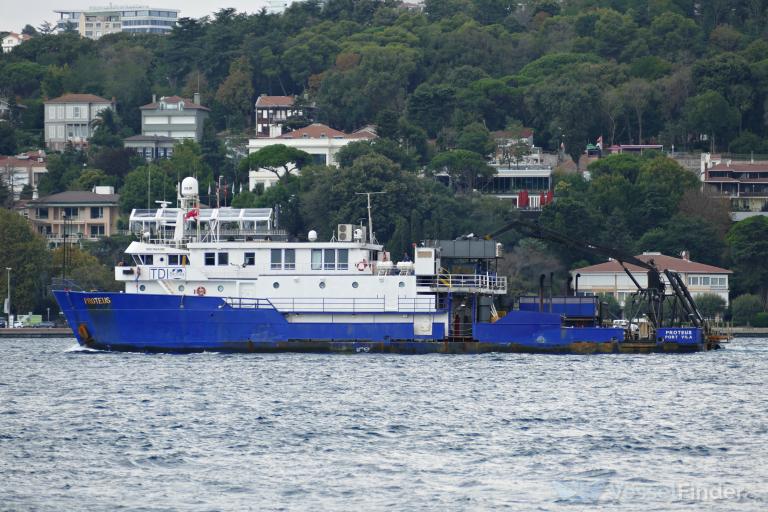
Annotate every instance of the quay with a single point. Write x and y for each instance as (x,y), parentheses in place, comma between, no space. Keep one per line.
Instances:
(37,332)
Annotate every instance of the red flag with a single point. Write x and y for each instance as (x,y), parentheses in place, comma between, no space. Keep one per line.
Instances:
(195,212)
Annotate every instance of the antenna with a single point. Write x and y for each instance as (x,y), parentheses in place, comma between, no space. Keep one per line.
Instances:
(371,237)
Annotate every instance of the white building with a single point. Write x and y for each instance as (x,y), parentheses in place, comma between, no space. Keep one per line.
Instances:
(319,140)
(21,170)
(609,277)
(279,6)
(69,118)
(96,22)
(175,117)
(13,40)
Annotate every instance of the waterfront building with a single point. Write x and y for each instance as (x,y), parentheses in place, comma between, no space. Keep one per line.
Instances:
(79,215)
(609,277)
(12,40)
(321,141)
(69,119)
(96,22)
(21,170)
(174,117)
(744,183)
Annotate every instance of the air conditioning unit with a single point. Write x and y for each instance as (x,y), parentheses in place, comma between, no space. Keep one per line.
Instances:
(345,232)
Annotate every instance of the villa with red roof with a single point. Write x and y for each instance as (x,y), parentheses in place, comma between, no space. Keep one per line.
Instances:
(319,140)
(609,277)
(69,118)
(12,40)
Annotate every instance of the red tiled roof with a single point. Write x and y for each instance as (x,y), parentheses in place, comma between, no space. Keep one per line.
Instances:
(366,132)
(77,197)
(31,160)
(275,101)
(662,261)
(188,104)
(315,131)
(79,98)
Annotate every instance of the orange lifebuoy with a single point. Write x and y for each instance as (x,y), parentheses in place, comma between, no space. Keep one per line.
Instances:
(361,265)
(200,291)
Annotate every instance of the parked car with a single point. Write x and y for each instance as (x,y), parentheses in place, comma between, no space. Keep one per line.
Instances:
(18,325)
(45,325)
(2,323)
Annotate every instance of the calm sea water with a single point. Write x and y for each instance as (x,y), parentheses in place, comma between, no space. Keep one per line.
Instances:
(102,431)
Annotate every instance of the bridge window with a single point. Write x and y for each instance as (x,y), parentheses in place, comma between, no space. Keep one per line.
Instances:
(223,258)
(329,259)
(276,258)
(250,259)
(290,259)
(343,259)
(210,259)
(317,259)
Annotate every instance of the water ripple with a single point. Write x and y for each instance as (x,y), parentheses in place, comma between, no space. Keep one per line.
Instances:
(87,430)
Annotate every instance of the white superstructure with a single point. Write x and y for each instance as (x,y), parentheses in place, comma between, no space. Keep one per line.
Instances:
(238,254)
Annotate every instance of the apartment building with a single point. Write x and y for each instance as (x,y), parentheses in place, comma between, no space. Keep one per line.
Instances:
(69,118)
(96,22)
(79,215)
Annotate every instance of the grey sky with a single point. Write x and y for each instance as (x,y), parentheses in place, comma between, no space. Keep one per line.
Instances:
(14,15)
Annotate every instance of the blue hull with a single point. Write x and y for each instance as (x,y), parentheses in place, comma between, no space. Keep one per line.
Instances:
(165,323)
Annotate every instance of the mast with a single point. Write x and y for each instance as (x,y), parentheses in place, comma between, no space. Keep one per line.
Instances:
(371,237)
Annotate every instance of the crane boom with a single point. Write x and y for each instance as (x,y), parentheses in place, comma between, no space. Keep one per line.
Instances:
(655,290)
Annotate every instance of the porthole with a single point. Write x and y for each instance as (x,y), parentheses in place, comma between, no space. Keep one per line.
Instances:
(275,285)
(322,285)
(401,284)
(220,288)
(355,284)
(181,287)
(142,287)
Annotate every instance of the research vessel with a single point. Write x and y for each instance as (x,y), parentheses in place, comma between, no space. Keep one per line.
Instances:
(227,279)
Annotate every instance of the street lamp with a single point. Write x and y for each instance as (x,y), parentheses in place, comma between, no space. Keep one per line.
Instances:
(8,300)
(48,314)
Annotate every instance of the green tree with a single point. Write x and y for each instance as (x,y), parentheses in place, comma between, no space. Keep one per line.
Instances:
(25,252)
(146,185)
(277,158)
(682,233)
(476,137)
(407,159)
(107,129)
(748,244)
(84,269)
(712,306)
(7,139)
(744,308)
(236,92)
(464,168)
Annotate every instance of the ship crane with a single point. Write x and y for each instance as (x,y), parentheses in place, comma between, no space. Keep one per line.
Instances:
(654,293)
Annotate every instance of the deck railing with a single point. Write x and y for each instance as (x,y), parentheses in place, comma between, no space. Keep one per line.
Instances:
(337,304)
(472,282)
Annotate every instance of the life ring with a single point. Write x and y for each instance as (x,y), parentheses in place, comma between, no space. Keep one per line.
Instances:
(361,265)
(200,291)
